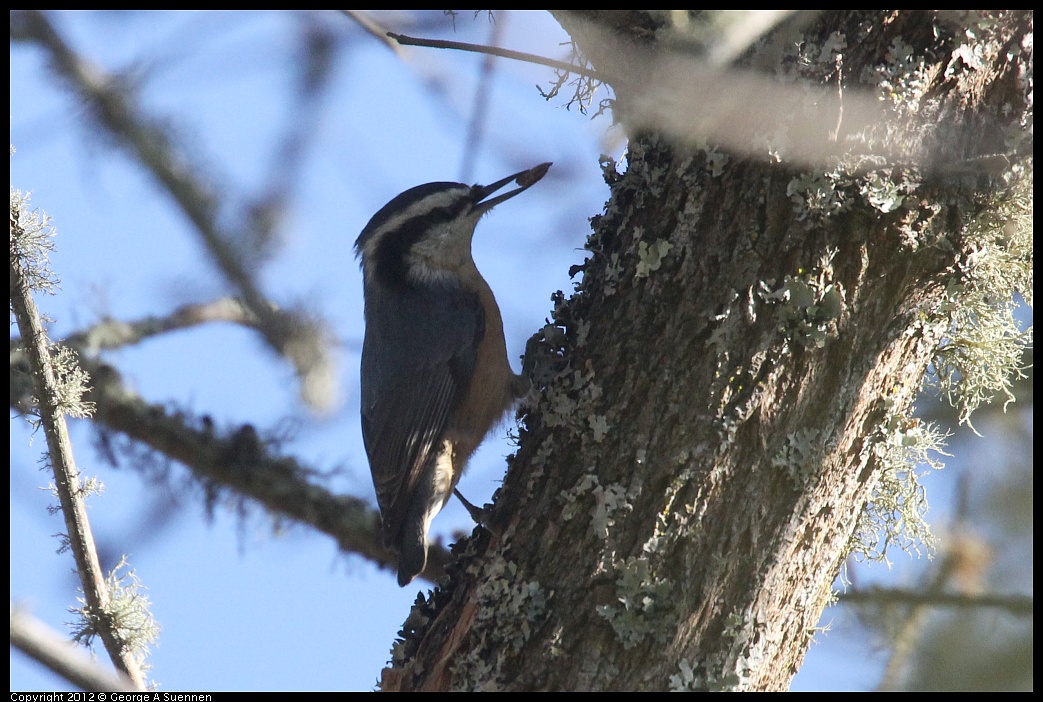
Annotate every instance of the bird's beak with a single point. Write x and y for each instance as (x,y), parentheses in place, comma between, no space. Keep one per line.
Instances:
(525,179)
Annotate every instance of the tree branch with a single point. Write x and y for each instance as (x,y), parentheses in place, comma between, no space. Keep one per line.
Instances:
(495,51)
(1020,605)
(41,643)
(296,337)
(113,333)
(238,459)
(52,403)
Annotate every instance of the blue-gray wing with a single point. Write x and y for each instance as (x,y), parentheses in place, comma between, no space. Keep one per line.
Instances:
(417,360)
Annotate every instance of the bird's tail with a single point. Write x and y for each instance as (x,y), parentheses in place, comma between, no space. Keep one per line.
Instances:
(412,548)
(434,490)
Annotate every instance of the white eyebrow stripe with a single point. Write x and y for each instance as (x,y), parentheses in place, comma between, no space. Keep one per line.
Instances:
(417,209)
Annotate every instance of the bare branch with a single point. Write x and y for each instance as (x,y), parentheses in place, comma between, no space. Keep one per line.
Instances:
(41,643)
(303,341)
(113,333)
(1020,605)
(494,51)
(239,460)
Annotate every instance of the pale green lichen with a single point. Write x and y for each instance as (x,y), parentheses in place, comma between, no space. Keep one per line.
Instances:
(89,486)
(598,427)
(508,609)
(642,599)
(716,160)
(809,304)
(727,325)
(570,499)
(685,680)
(610,503)
(127,615)
(612,274)
(740,654)
(71,383)
(886,190)
(32,243)
(650,258)
(797,453)
(816,196)
(980,355)
(895,516)
(902,78)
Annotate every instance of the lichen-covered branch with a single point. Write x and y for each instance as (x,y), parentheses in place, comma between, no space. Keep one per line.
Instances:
(53,401)
(238,460)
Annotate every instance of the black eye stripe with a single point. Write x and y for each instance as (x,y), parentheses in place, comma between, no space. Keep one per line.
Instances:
(386,240)
(389,257)
(408,199)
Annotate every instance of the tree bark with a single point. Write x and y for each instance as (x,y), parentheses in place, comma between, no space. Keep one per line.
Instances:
(746,335)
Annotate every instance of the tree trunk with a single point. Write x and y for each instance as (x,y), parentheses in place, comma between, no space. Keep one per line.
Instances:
(749,334)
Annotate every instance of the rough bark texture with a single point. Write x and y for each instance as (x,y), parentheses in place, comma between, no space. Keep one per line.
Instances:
(714,392)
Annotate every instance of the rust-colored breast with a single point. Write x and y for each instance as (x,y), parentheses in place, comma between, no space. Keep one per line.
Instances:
(489,395)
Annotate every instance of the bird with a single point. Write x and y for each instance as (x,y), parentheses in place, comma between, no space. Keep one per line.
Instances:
(435,378)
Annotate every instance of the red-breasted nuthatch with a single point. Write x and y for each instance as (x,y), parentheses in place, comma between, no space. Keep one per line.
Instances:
(435,375)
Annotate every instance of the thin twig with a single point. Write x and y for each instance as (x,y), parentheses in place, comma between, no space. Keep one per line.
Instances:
(495,51)
(296,337)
